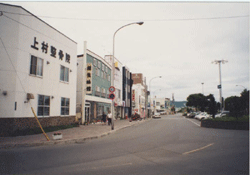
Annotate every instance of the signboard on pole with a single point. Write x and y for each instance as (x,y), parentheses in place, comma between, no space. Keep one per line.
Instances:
(111,89)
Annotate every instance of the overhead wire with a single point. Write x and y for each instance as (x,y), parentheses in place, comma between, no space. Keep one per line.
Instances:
(151,20)
(14,69)
(34,29)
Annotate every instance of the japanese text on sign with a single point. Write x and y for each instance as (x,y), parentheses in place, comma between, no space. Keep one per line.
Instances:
(54,52)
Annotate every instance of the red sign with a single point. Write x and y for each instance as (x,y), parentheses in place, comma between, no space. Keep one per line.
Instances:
(112,96)
(111,89)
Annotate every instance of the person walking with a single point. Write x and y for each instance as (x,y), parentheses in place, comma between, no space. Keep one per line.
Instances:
(104,118)
(109,118)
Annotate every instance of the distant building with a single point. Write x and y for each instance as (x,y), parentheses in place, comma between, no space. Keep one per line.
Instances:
(98,81)
(119,105)
(37,69)
(127,83)
(139,95)
(161,104)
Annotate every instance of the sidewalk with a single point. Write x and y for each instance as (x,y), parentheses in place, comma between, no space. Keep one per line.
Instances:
(72,135)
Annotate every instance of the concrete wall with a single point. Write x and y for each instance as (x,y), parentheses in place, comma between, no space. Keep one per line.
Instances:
(18,34)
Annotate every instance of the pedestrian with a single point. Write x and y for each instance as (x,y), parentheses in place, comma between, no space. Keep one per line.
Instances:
(109,118)
(104,116)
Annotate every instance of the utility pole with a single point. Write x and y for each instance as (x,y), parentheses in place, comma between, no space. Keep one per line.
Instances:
(220,85)
(84,77)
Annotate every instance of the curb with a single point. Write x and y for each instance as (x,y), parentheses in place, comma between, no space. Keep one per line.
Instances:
(68,141)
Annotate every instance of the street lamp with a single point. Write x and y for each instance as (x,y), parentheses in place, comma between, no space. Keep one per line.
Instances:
(241,86)
(113,67)
(202,88)
(220,86)
(150,89)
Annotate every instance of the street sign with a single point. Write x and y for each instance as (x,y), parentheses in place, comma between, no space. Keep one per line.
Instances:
(219,86)
(111,89)
(112,96)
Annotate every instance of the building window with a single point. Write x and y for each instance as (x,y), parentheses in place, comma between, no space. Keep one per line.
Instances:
(97,91)
(64,74)
(43,105)
(36,66)
(64,106)
(102,67)
(106,69)
(94,61)
(102,75)
(108,77)
(105,75)
(99,64)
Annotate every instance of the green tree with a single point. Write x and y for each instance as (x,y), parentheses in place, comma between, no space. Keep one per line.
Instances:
(244,99)
(212,105)
(233,104)
(238,106)
(198,101)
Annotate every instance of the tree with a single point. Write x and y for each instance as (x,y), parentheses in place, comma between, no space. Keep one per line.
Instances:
(233,105)
(212,105)
(238,106)
(198,101)
(244,100)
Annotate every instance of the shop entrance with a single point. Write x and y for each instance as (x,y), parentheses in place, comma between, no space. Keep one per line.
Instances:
(87,112)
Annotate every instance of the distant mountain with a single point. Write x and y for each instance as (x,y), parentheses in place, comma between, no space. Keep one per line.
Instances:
(180,104)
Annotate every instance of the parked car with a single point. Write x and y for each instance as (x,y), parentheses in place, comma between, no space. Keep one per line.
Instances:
(223,113)
(163,113)
(202,116)
(157,115)
(191,115)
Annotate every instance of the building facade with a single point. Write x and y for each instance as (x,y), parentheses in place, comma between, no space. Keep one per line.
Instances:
(127,83)
(98,82)
(118,109)
(37,69)
(139,95)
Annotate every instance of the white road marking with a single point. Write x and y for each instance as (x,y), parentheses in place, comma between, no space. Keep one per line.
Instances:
(195,150)
(193,122)
(125,164)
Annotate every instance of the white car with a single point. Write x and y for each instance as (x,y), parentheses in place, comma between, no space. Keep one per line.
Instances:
(202,116)
(157,115)
(223,113)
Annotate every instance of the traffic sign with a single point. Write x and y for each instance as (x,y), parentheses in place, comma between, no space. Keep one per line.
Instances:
(112,96)
(111,89)
(219,86)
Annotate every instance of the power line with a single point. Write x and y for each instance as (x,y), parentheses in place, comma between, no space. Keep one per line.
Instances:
(14,69)
(150,20)
(34,30)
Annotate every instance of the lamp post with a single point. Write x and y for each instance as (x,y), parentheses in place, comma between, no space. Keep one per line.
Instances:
(241,86)
(113,67)
(220,86)
(202,88)
(150,89)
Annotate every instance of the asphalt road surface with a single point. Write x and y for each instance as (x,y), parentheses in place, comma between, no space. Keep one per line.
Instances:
(171,145)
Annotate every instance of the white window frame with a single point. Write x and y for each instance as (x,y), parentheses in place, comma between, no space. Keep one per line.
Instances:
(99,64)
(37,68)
(42,105)
(65,106)
(63,79)
(94,61)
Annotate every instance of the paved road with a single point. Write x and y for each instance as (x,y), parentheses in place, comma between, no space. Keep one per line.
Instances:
(170,145)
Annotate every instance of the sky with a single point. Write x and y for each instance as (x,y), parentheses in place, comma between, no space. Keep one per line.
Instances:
(178,40)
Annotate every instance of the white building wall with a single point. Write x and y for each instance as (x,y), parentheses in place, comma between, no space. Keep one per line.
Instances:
(139,97)
(18,39)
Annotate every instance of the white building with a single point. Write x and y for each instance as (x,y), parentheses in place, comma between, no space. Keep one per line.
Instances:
(119,104)
(37,69)
(139,95)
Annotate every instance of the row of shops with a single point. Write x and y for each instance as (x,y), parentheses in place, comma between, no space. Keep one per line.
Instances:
(40,69)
